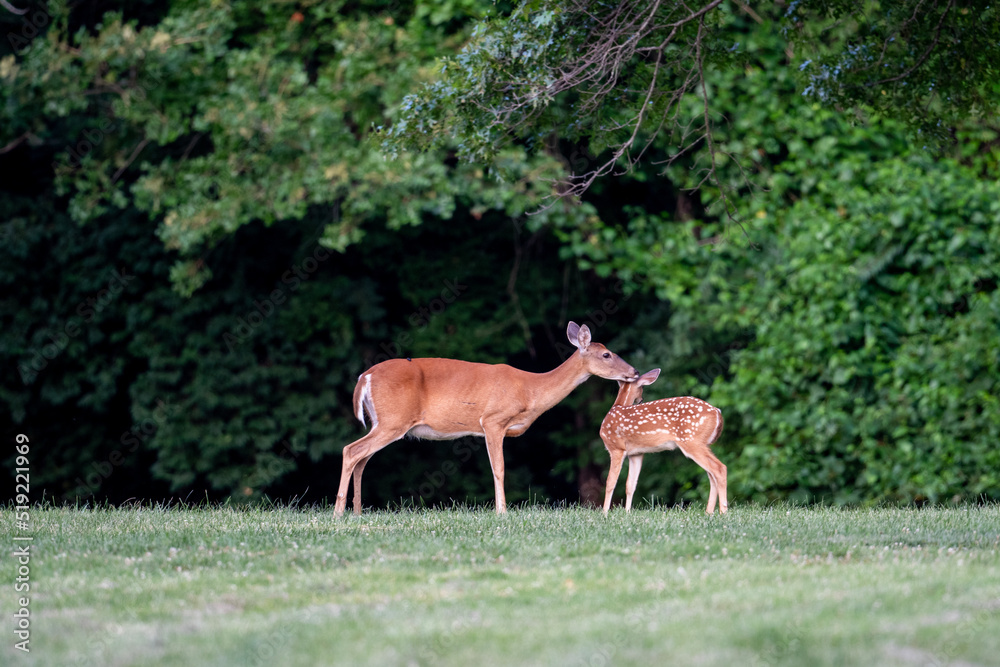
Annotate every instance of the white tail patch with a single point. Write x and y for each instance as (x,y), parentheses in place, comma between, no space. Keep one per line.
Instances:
(365,403)
(718,426)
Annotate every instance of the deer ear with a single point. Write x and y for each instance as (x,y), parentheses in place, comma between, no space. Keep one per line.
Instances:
(572,331)
(578,336)
(648,377)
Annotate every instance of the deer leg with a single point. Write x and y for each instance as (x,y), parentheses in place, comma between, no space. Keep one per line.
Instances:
(713,493)
(494,447)
(716,477)
(634,466)
(356,452)
(359,469)
(720,483)
(617,456)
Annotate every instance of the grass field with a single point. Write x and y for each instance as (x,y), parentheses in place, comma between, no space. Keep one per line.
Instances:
(541,586)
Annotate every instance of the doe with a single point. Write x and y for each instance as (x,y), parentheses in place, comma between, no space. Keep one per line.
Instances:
(685,423)
(443,399)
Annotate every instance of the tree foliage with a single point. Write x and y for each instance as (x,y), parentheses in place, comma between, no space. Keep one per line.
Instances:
(208,128)
(854,339)
(202,246)
(214,117)
(932,64)
(622,77)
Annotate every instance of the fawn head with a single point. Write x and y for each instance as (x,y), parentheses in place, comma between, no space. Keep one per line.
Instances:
(630,393)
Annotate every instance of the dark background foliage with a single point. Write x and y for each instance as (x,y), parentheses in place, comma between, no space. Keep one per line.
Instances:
(203,246)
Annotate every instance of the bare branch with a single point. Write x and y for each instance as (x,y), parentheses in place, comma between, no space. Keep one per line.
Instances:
(15,143)
(619,35)
(135,153)
(12,9)
(927,52)
(726,204)
(892,35)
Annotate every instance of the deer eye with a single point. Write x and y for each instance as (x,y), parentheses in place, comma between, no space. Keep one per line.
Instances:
(607,355)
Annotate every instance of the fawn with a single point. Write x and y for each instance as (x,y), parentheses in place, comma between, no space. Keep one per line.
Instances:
(685,423)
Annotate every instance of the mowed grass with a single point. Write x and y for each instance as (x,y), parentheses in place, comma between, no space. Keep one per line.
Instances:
(540,586)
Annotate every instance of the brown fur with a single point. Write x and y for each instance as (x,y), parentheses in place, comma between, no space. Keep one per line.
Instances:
(441,399)
(686,423)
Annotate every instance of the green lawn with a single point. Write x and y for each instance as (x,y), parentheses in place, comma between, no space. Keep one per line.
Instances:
(761,586)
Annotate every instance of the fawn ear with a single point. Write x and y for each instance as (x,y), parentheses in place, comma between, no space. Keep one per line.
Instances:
(648,377)
(578,336)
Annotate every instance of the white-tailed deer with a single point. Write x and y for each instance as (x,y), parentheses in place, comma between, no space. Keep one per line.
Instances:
(443,399)
(686,423)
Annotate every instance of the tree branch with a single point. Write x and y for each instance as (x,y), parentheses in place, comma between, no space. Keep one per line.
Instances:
(131,159)
(12,9)
(927,52)
(17,142)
